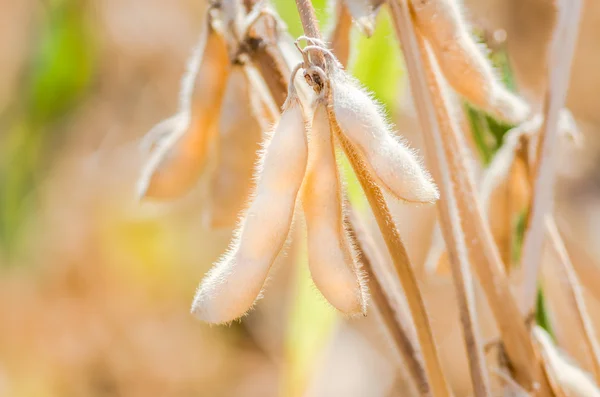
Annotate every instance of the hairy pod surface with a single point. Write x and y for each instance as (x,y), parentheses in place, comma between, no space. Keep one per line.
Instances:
(392,164)
(183,141)
(463,63)
(235,282)
(330,258)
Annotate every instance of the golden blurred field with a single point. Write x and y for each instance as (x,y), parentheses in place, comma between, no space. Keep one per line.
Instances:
(96,287)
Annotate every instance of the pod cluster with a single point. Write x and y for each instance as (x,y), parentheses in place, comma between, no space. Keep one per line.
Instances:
(298,164)
(219,124)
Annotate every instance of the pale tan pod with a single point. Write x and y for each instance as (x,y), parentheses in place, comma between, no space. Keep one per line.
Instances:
(330,259)
(505,159)
(235,282)
(392,164)
(239,137)
(180,145)
(462,61)
(573,380)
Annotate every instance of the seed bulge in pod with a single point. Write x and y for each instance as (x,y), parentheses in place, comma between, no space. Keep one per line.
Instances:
(391,163)
(463,63)
(330,259)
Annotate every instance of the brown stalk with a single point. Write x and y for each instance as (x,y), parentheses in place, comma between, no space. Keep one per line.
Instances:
(399,333)
(402,265)
(559,67)
(310,26)
(575,294)
(440,136)
(450,224)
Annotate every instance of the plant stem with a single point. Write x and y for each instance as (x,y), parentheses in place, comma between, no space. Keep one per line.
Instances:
(311,27)
(450,223)
(439,130)
(402,265)
(370,259)
(559,67)
(308,18)
(439,385)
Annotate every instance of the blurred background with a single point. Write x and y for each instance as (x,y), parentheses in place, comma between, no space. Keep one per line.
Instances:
(95,287)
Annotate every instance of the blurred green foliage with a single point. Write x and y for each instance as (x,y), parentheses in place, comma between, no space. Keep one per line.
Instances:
(58,74)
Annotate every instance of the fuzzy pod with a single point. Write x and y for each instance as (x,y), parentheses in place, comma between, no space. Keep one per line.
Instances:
(463,62)
(391,163)
(180,145)
(235,282)
(332,264)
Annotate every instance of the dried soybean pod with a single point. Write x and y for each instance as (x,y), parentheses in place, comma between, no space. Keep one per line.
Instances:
(236,280)
(239,137)
(463,63)
(506,162)
(332,265)
(392,164)
(182,142)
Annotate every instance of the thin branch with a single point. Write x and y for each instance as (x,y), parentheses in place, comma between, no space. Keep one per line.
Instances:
(402,265)
(559,67)
(310,26)
(484,255)
(404,341)
(461,275)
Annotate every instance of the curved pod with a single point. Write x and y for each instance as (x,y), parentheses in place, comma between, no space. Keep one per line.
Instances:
(332,265)
(235,282)
(182,142)
(463,63)
(393,165)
